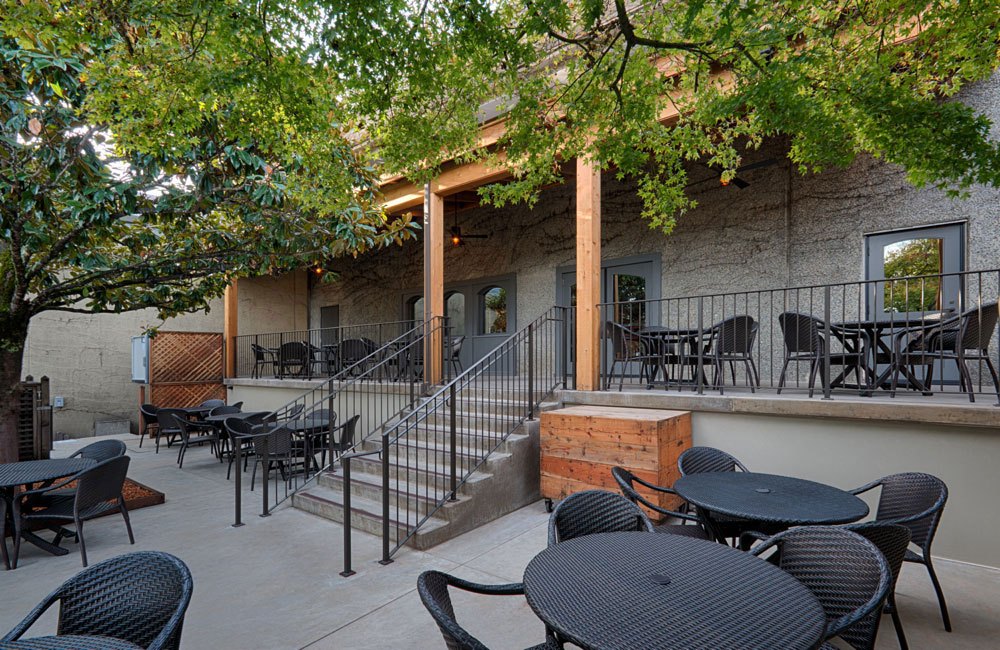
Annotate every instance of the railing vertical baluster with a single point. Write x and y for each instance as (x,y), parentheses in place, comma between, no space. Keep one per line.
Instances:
(239,482)
(701,348)
(453,443)
(827,379)
(565,345)
(267,470)
(385,499)
(346,463)
(531,372)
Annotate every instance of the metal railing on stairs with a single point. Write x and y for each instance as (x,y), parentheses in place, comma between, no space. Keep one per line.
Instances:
(432,451)
(304,437)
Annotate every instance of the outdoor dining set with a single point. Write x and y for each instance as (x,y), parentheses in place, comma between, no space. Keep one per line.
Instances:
(747,560)
(887,352)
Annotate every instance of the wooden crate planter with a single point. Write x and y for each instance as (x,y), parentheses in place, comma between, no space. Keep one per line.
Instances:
(580,445)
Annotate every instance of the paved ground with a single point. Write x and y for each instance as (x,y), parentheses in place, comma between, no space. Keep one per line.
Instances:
(274,584)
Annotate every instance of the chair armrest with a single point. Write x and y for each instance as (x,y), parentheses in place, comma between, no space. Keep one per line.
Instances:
(866,487)
(768,542)
(663,511)
(748,537)
(47,488)
(510,589)
(32,616)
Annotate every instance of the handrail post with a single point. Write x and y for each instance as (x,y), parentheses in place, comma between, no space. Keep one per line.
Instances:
(385,499)
(267,470)
(700,370)
(564,347)
(531,372)
(827,389)
(237,444)
(346,463)
(453,442)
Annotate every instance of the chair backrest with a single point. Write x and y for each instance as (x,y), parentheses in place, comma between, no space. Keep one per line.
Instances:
(293,352)
(700,460)
(433,589)
(237,405)
(168,418)
(847,573)
(148,414)
(977,327)
(240,426)
(293,411)
(347,435)
(102,450)
(801,332)
(914,500)
(735,335)
(212,403)
(892,540)
(224,410)
(456,346)
(260,353)
(277,442)
(353,350)
(138,597)
(623,340)
(595,511)
(100,483)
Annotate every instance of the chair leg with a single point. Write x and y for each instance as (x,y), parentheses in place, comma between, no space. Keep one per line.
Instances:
(180,454)
(750,375)
(940,593)
(128,522)
(781,380)
(253,475)
(963,371)
(83,544)
(993,373)
(897,623)
(813,371)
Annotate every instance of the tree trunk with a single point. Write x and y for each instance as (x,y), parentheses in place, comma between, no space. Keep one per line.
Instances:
(10,398)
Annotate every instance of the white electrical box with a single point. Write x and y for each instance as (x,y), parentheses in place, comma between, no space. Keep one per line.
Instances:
(140,359)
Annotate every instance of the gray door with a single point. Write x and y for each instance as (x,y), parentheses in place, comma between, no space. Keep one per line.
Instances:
(329,321)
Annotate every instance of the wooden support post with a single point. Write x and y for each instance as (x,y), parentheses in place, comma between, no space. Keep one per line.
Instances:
(588,274)
(433,282)
(230,326)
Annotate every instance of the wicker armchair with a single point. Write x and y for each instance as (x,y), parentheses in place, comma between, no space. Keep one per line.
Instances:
(914,500)
(846,572)
(455,344)
(595,511)
(262,358)
(147,421)
(631,347)
(166,419)
(102,450)
(194,433)
(276,449)
(98,492)
(805,339)
(892,540)
(348,431)
(433,589)
(626,481)
(137,597)
(731,341)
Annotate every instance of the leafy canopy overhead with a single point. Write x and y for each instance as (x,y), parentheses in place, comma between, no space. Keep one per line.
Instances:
(644,87)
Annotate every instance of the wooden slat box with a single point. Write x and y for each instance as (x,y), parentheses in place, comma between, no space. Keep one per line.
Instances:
(580,445)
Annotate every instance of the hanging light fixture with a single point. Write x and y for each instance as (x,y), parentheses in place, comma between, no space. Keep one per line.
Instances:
(457,238)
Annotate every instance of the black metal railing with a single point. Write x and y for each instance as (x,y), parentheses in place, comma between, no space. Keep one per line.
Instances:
(924,334)
(307,354)
(428,455)
(305,436)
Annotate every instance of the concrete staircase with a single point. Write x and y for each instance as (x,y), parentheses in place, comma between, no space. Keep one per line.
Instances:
(419,470)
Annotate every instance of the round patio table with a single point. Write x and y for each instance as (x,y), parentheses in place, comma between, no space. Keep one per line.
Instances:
(242,415)
(613,591)
(70,642)
(769,498)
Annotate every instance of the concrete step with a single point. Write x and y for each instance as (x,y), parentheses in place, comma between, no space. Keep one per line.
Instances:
(417,496)
(426,473)
(482,419)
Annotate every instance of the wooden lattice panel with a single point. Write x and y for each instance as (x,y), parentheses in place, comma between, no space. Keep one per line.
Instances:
(185,394)
(185,357)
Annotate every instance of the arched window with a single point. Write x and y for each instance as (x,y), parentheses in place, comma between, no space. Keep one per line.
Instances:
(415,309)
(494,310)
(454,307)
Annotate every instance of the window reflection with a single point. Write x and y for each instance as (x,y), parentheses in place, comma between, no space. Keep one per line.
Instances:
(495,310)
(913,257)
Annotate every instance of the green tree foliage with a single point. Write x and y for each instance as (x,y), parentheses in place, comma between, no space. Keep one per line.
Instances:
(595,77)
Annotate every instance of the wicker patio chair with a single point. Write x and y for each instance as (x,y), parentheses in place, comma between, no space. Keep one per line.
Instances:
(222,438)
(137,597)
(194,433)
(238,431)
(630,347)
(626,481)
(294,358)
(275,449)
(916,501)
(166,419)
(316,440)
(98,492)
(892,540)
(147,421)
(352,352)
(348,431)
(102,450)
(731,341)
(699,460)
(455,344)
(805,340)
(595,511)
(433,589)
(960,338)
(262,358)
(847,573)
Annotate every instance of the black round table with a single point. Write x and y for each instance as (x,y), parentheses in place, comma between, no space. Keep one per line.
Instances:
(36,471)
(625,591)
(69,642)
(770,498)
(242,415)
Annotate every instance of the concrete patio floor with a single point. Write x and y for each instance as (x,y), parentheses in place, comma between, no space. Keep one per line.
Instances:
(274,583)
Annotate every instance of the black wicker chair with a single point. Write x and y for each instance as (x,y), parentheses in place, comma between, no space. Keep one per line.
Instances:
(595,511)
(353,352)
(348,431)
(731,341)
(433,589)
(98,492)
(137,597)
(262,358)
(219,428)
(892,540)
(846,572)
(239,430)
(102,450)
(960,338)
(147,420)
(914,500)
(212,403)
(166,419)
(805,340)
(699,460)
(194,433)
(294,359)
(276,450)
(455,344)
(631,347)
(626,481)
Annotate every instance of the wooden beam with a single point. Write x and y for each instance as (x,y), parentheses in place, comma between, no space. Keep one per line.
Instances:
(405,195)
(230,326)
(588,274)
(433,283)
